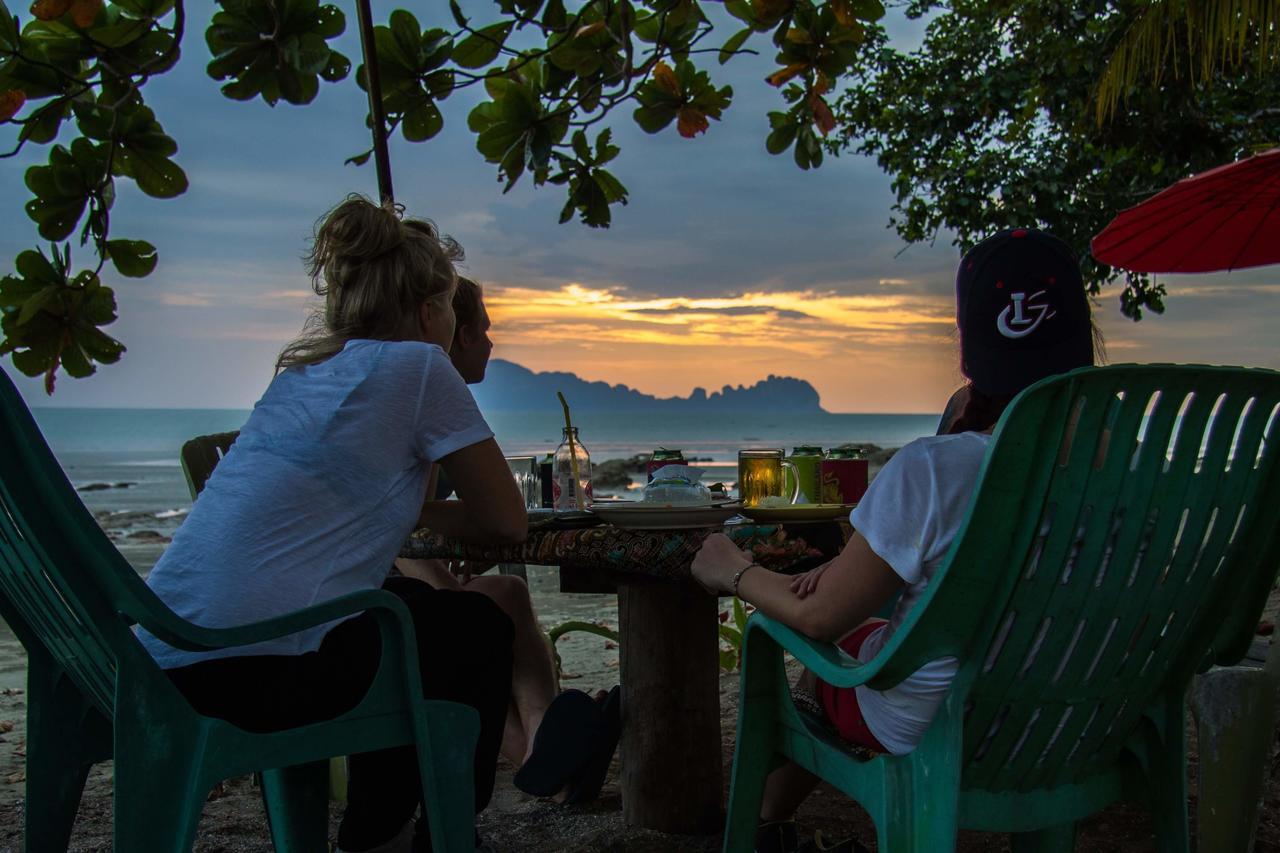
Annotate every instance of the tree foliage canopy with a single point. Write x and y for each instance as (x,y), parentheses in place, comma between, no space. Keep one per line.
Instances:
(72,78)
(991,124)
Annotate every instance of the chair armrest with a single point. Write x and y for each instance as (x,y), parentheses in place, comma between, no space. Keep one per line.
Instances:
(825,660)
(182,634)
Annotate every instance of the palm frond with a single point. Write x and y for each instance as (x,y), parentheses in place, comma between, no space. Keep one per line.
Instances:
(1198,37)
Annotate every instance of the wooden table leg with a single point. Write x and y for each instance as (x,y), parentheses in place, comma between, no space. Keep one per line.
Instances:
(671,767)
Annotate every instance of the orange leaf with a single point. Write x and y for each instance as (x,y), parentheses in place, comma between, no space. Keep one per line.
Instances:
(690,122)
(85,12)
(777,78)
(665,79)
(589,30)
(10,102)
(823,85)
(844,14)
(822,116)
(50,10)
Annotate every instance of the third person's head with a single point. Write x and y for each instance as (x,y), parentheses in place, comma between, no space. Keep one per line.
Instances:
(471,345)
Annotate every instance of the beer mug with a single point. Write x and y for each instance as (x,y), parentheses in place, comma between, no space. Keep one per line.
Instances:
(760,475)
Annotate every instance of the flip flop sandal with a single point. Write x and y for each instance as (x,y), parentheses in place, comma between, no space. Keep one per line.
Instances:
(562,745)
(586,786)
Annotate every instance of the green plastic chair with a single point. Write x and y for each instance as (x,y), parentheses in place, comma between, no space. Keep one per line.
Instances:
(95,694)
(1123,538)
(201,455)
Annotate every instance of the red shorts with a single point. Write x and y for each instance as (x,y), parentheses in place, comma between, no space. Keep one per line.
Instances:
(841,703)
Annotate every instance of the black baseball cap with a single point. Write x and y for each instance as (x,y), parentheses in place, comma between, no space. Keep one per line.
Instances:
(1022,311)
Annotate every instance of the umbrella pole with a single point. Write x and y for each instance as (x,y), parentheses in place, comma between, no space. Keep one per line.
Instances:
(381,158)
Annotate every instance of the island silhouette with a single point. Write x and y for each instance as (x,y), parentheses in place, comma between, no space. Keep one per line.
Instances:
(514,388)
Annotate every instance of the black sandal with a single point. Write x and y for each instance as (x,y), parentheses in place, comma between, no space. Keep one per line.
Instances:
(562,746)
(586,787)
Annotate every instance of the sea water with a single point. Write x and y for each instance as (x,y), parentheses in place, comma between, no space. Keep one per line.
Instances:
(125,465)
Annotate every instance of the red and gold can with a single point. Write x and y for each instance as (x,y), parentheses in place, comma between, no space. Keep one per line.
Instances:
(844,476)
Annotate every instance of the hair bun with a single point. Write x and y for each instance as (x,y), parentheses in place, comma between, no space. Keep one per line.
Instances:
(357,231)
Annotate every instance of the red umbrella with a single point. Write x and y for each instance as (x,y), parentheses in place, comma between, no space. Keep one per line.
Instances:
(1224,219)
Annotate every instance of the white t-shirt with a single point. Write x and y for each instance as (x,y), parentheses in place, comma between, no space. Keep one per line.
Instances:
(317,495)
(909,516)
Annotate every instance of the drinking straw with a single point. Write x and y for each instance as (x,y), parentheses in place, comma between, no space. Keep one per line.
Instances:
(573,455)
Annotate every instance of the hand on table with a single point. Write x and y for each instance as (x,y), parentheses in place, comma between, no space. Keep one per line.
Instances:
(807,582)
(716,562)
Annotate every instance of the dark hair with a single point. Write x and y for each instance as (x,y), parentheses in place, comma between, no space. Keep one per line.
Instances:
(467,300)
(980,411)
(374,272)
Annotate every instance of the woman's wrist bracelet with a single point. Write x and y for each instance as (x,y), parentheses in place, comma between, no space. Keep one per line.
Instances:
(737,578)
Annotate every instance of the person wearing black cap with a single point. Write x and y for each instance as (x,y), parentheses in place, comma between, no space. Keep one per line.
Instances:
(1022,315)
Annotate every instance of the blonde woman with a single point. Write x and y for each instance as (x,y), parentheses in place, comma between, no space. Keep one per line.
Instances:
(317,495)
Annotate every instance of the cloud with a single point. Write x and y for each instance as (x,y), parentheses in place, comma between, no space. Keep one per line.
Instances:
(186,300)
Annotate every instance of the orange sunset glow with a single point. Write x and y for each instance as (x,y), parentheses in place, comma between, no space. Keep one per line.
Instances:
(871,353)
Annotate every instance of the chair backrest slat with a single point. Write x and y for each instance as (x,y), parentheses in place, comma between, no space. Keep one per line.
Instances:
(1127,517)
(63,584)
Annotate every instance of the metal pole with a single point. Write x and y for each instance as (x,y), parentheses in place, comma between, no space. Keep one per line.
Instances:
(381,158)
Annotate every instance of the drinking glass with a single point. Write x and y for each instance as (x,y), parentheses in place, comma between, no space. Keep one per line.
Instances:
(525,470)
(760,476)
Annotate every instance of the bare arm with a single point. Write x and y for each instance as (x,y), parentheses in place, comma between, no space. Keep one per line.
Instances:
(490,507)
(854,585)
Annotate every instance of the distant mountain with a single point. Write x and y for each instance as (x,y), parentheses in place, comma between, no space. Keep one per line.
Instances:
(510,387)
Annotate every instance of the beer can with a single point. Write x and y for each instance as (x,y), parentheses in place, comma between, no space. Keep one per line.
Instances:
(662,457)
(844,476)
(808,461)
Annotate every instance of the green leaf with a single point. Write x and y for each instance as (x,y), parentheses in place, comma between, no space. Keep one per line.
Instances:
(132,258)
(481,47)
(407,35)
(155,174)
(456,10)
(734,43)
(654,118)
(330,22)
(422,122)
(8,29)
(867,10)
(358,159)
(36,302)
(34,266)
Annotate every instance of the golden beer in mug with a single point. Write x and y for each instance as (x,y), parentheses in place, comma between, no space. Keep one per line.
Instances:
(760,476)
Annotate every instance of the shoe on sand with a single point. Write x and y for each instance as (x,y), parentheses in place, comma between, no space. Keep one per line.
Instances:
(563,744)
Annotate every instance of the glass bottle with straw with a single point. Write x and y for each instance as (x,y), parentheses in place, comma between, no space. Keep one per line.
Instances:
(571,485)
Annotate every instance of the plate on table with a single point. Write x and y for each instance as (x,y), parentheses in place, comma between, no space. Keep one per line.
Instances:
(654,516)
(551,519)
(796,512)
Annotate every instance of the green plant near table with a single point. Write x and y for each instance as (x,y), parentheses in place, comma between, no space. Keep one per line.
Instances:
(730,635)
(731,658)
(597,628)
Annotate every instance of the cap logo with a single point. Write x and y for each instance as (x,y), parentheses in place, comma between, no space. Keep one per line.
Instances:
(1013,321)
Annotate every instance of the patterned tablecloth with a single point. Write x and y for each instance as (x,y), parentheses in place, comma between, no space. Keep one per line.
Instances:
(664,554)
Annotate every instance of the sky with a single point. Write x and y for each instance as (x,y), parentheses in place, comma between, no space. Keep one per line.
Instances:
(727,265)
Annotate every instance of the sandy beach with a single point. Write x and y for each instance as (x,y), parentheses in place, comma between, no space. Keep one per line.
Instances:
(233,820)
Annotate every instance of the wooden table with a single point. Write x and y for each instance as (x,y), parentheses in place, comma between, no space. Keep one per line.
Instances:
(671,762)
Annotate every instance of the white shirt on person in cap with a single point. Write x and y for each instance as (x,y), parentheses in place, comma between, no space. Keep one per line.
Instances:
(909,516)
